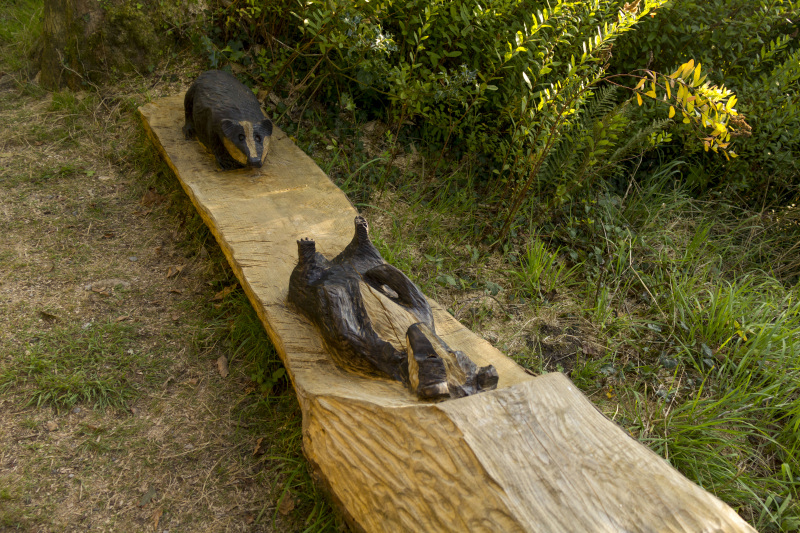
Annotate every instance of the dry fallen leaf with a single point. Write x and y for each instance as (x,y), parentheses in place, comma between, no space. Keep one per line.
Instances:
(174,271)
(49,317)
(151,197)
(150,495)
(157,516)
(176,291)
(121,318)
(258,450)
(222,366)
(249,518)
(590,349)
(51,425)
(223,293)
(287,504)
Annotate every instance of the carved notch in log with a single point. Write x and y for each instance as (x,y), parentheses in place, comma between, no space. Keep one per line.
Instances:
(376,322)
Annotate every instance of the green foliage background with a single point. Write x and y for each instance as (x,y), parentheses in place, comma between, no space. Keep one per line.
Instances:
(523,87)
(753,48)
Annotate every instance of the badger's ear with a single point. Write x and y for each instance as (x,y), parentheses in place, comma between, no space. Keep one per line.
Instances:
(230,128)
(266,126)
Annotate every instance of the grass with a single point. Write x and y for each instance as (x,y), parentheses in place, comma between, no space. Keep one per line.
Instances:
(270,409)
(110,393)
(541,272)
(89,363)
(20,30)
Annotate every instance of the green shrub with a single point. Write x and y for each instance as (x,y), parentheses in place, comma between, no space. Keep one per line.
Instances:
(751,47)
(512,83)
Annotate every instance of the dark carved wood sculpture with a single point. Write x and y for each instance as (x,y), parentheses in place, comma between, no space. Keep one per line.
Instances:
(375,321)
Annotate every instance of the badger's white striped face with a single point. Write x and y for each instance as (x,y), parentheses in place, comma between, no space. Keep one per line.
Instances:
(247,142)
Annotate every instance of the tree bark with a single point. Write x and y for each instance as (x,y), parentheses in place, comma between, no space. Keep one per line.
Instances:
(87,42)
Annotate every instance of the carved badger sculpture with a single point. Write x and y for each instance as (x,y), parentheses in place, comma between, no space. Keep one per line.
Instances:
(227,119)
(329,292)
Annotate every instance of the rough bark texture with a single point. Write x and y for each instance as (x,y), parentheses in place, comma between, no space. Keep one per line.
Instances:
(533,455)
(89,41)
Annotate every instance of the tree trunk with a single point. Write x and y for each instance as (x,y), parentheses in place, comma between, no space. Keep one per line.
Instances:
(89,41)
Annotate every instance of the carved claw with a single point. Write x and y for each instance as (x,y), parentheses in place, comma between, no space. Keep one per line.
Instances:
(306,249)
(362,228)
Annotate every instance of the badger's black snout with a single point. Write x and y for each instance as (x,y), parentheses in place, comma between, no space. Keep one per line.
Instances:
(255,163)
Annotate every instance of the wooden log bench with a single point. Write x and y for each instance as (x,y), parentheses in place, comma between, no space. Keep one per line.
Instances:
(532,455)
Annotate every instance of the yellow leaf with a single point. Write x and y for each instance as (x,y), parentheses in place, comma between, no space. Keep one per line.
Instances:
(651,94)
(696,78)
(639,98)
(639,85)
(671,111)
(669,93)
(684,69)
(682,94)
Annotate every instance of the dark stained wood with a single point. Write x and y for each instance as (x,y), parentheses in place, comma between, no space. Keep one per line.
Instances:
(332,294)
(225,116)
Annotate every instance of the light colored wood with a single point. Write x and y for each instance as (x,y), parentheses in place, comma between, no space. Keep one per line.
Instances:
(533,455)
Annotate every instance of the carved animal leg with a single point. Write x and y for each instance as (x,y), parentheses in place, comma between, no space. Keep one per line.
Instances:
(436,371)
(401,290)
(188,108)
(360,253)
(427,377)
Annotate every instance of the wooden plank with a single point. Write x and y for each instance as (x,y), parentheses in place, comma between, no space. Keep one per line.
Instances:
(533,455)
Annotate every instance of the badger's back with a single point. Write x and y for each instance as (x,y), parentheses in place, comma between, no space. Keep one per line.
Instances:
(221,95)
(227,118)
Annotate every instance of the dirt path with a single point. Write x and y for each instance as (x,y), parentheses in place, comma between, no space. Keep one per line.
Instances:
(116,307)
